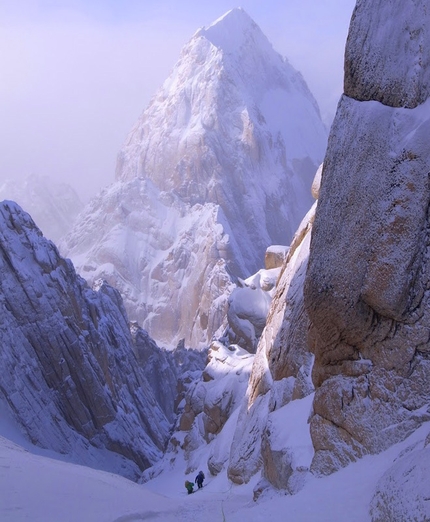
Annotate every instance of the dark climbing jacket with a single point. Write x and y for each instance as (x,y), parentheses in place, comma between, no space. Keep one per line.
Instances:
(200,478)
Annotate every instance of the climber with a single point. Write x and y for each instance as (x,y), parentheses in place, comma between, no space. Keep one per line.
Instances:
(189,485)
(200,478)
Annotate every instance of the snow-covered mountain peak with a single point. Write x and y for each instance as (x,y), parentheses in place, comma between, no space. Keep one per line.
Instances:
(235,32)
(231,141)
(228,86)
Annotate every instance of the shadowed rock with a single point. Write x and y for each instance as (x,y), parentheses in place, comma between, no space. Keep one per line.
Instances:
(69,371)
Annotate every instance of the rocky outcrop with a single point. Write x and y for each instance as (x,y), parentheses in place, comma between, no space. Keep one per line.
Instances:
(275,256)
(167,371)
(211,403)
(367,282)
(165,258)
(248,306)
(386,56)
(70,375)
(403,492)
(280,374)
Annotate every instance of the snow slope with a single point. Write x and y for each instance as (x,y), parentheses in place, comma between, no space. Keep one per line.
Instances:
(42,489)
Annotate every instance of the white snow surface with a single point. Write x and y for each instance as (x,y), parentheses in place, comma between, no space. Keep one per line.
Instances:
(43,489)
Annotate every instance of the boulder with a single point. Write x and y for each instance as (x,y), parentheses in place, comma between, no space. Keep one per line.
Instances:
(386,56)
(403,491)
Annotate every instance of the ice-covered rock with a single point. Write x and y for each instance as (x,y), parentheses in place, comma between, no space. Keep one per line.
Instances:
(386,56)
(70,375)
(275,256)
(53,206)
(366,288)
(167,259)
(248,306)
(281,373)
(217,168)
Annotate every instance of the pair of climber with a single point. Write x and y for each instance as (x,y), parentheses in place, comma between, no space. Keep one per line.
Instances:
(199,481)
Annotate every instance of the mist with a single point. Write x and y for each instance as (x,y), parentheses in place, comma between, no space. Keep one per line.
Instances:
(75,78)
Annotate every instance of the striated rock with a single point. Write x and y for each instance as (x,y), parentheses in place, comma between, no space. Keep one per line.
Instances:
(70,375)
(166,371)
(368,273)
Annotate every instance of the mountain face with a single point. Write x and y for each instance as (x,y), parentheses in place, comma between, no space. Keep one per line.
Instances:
(367,298)
(343,360)
(235,125)
(53,206)
(353,296)
(74,377)
(237,405)
(217,168)
(281,373)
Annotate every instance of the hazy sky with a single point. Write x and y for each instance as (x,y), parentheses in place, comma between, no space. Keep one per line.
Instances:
(76,74)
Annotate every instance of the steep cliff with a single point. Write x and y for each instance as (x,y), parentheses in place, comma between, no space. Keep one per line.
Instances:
(367,283)
(281,373)
(70,374)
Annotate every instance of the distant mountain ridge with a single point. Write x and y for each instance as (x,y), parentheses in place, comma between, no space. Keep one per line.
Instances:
(54,206)
(217,168)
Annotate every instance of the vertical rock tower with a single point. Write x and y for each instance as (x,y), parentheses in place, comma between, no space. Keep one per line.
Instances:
(368,279)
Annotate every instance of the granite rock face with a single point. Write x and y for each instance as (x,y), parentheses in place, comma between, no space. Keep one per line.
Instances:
(70,375)
(403,491)
(386,56)
(366,290)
